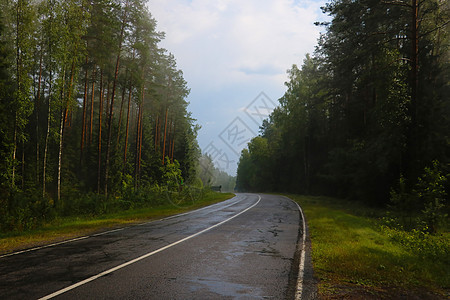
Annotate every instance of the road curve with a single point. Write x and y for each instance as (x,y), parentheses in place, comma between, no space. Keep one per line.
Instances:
(242,248)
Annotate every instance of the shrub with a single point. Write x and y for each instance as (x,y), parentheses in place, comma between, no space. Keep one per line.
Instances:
(421,242)
(404,204)
(430,189)
(424,207)
(26,210)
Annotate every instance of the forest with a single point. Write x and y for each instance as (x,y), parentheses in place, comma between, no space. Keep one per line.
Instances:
(93,112)
(367,115)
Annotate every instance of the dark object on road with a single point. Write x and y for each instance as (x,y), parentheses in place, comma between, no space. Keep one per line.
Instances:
(216,188)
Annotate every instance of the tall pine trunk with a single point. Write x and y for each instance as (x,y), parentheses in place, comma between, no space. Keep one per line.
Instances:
(411,157)
(173,143)
(61,130)
(83,121)
(38,98)
(141,130)
(120,116)
(156,132)
(47,134)
(100,112)
(116,74)
(126,130)
(91,117)
(18,84)
(64,113)
(138,142)
(414,59)
(165,132)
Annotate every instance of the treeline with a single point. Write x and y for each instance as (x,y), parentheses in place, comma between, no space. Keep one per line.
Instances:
(369,109)
(210,175)
(90,105)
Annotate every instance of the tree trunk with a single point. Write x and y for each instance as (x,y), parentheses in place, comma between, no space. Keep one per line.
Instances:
(411,156)
(18,82)
(64,113)
(141,112)
(83,122)
(173,143)
(23,164)
(61,130)
(414,60)
(120,116)
(306,158)
(126,130)
(100,109)
(91,118)
(164,142)
(13,177)
(116,73)
(137,162)
(141,130)
(47,134)
(106,100)
(156,132)
(38,97)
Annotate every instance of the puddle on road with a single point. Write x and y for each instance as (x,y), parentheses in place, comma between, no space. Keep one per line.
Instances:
(227,289)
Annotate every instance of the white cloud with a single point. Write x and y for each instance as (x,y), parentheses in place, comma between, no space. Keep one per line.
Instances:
(231,50)
(230,41)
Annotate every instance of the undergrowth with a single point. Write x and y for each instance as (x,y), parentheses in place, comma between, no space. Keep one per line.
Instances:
(354,246)
(62,227)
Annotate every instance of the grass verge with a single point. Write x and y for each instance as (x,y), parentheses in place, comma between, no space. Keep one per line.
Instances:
(354,257)
(72,227)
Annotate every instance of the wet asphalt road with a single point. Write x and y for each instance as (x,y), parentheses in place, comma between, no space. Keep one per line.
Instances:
(250,253)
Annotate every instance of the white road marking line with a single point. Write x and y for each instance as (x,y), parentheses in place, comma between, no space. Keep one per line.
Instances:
(109,231)
(301,268)
(45,246)
(57,293)
(106,232)
(62,242)
(190,212)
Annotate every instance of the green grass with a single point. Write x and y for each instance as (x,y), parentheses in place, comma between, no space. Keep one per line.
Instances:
(353,254)
(72,227)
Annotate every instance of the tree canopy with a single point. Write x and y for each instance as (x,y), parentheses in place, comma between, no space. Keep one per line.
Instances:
(369,106)
(89,101)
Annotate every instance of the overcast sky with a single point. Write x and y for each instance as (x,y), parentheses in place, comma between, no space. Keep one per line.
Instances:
(234,55)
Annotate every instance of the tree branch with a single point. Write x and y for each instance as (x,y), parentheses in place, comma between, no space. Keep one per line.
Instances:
(399,3)
(434,29)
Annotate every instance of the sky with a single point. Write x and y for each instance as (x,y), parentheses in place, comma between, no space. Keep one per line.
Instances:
(234,55)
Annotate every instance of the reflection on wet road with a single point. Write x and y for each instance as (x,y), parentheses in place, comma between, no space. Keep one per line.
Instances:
(242,248)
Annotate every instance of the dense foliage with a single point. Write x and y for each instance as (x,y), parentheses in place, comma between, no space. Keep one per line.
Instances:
(211,176)
(91,108)
(370,106)
(356,256)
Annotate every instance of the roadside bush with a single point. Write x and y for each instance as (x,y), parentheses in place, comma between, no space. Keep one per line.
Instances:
(405,207)
(77,203)
(25,210)
(172,178)
(421,242)
(423,208)
(430,189)
(21,211)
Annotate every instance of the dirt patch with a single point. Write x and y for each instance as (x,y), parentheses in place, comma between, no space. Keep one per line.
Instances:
(354,291)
